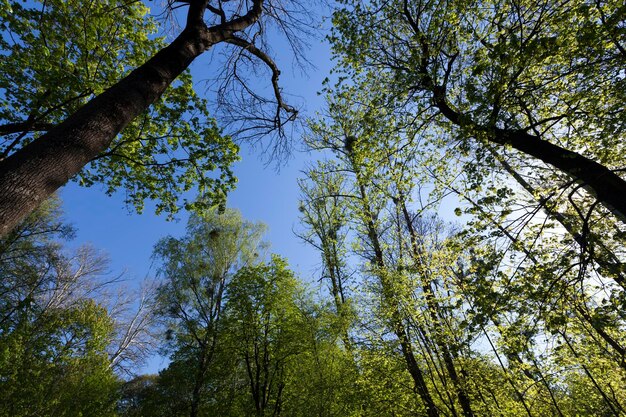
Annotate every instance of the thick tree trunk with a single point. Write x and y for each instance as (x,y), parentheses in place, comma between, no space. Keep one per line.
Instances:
(608,187)
(33,173)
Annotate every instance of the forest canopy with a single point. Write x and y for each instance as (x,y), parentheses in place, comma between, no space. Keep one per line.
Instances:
(464,197)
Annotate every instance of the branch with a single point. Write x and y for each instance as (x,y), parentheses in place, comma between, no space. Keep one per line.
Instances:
(604,184)
(241,22)
(8,128)
(610,30)
(248,46)
(218,11)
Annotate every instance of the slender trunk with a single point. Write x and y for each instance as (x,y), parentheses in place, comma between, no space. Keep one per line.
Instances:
(433,310)
(537,375)
(510,357)
(514,357)
(195,400)
(619,349)
(331,267)
(197,386)
(388,293)
(334,273)
(505,369)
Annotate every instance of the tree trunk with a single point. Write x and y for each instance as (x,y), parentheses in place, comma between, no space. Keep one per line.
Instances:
(389,295)
(33,173)
(608,263)
(433,310)
(608,187)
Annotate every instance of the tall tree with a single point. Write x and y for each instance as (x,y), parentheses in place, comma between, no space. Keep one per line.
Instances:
(197,269)
(267,332)
(37,169)
(541,78)
(324,214)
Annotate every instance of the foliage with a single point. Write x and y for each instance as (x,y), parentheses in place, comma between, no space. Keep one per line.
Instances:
(197,270)
(517,311)
(54,338)
(469,78)
(266,332)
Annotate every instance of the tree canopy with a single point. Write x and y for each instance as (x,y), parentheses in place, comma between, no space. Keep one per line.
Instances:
(464,199)
(59,55)
(540,79)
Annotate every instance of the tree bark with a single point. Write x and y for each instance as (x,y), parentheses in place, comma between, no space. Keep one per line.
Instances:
(608,187)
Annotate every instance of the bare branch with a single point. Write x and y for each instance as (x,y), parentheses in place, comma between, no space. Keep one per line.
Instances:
(134,319)
(275,74)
